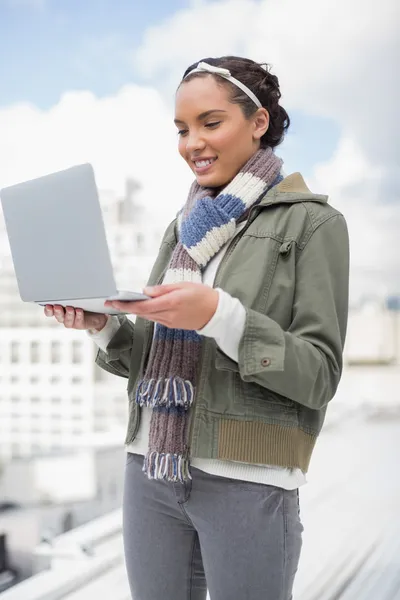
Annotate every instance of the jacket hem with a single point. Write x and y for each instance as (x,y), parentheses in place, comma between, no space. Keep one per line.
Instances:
(256,442)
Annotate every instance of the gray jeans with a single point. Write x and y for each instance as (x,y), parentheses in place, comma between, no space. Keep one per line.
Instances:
(240,540)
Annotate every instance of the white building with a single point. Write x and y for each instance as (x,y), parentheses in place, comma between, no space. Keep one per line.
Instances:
(46,389)
(373,335)
(52,395)
(52,493)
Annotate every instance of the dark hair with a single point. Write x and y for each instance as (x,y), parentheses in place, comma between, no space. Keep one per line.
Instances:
(257,77)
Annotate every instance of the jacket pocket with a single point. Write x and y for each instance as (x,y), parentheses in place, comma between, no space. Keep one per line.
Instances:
(224,363)
(252,395)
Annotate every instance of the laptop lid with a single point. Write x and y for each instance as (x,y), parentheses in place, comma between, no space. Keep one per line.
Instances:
(57,237)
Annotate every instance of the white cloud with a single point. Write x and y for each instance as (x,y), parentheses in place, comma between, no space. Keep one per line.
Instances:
(131,133)
(334,58)
(206,29)
(354,186)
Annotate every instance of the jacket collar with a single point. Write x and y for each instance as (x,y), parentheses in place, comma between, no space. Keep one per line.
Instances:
(290,190)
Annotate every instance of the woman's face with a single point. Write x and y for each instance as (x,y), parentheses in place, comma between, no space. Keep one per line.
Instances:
(215,138)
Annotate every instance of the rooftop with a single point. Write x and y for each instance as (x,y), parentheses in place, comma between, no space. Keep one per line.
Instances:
(349,509)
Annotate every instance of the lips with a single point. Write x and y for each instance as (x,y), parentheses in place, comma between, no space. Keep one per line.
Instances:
(201,165)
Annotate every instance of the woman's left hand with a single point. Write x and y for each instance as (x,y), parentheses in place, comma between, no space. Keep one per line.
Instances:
(182,305)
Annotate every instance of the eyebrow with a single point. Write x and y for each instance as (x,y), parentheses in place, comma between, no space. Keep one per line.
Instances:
(203,115)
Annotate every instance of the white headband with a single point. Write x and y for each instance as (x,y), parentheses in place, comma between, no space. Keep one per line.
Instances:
(203,67)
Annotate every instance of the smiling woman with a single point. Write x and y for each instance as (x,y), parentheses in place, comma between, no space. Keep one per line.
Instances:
(232,361)
(219,120)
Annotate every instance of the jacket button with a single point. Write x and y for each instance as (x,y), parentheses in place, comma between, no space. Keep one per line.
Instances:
(266,362)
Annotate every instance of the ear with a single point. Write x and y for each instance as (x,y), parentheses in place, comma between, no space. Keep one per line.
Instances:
(261,123)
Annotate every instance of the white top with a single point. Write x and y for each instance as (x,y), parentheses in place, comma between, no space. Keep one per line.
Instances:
(226,327)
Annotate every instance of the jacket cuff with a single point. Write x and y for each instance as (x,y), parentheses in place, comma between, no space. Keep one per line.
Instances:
(262,346)
(121,340)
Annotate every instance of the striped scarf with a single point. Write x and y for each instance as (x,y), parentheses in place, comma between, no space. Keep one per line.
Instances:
(205,225)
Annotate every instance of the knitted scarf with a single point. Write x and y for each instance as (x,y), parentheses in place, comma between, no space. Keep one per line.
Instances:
(205,225)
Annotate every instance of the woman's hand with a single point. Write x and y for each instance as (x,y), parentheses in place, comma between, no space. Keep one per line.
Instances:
(75,318)
(182,305)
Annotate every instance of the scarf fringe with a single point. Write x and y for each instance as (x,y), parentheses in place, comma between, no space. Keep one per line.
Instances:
(170,392)
(170,467)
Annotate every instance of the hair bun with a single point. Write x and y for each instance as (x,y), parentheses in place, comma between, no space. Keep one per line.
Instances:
(259,79)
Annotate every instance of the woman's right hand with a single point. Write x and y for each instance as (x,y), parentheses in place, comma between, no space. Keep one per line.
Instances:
(75,318)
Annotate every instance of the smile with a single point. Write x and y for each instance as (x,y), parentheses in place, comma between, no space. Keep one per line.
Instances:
(201,166)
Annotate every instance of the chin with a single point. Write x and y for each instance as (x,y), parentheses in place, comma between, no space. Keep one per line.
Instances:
(212,181)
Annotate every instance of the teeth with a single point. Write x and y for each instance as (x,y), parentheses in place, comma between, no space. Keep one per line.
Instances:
(203,163)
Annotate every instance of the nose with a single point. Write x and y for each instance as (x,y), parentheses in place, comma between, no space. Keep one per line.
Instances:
(194,142)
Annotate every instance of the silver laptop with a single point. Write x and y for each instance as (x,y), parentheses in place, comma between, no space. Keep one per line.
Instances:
(58,241)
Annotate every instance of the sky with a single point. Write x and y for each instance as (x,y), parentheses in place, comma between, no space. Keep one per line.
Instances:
(95,81)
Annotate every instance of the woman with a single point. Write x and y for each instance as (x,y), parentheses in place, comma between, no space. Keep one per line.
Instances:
(228,391)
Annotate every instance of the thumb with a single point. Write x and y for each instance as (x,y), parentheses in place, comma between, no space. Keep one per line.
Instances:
(160,290)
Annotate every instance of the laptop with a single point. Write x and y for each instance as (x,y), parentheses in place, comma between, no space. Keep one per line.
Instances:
(58,241)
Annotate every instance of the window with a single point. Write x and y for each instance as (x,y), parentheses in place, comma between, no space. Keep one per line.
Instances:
(76,400)
(76,352)
(15,450)
(77,379)
(55,379)
(55,352)
(34,352)
(55,400)
(15,351)
(35,399)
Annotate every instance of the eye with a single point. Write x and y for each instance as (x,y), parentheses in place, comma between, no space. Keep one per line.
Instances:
(213,124)
(182,132)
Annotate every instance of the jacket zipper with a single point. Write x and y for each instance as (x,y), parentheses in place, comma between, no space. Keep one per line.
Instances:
(228,252)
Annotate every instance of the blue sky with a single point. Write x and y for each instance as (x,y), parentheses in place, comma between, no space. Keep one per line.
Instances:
(53,46)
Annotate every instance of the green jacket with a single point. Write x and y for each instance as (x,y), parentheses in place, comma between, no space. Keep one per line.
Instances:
(289,266)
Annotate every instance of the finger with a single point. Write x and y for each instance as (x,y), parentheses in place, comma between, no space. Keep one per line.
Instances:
(144,307)
(161,290)
(59,313)
(69,317)
(79,318)
(48,310)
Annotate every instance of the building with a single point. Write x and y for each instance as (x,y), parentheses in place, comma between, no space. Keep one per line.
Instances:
(373,334)
(46,389)
(49,494)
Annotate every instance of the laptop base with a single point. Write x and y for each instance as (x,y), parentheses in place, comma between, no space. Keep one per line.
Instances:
(96,305)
